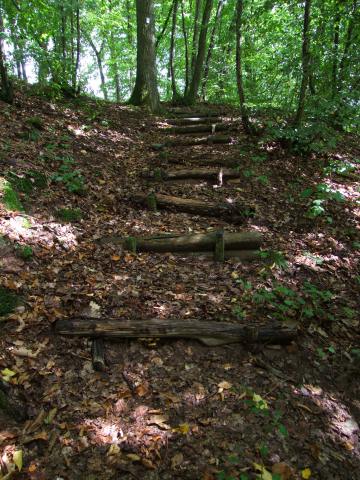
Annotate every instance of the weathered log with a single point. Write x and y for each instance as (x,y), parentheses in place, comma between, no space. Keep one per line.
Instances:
(199,242)
(197,207)
(185,142)
(193,120)
(212,128)
(195,173)
(189,113)
(175,328)
(98,354)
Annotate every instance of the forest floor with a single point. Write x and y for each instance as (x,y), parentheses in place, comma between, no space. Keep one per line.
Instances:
(174,408)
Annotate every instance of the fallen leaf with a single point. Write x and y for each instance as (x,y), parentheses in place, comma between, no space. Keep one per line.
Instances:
(133,457)
(224,386)
(177,460)
(265,474)
(115,258)
(18,459)
(306,473)
(283,470)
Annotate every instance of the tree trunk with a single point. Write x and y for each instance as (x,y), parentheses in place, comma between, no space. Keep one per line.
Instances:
(114,62)
(78,47)
(175,95)
(145,90)
(175,328)
(97,54)
(305,65)
(199,63)
(348,42)
(166,23)
(229,46)
(239,77)
(211,47)
(335,49)
(187,70)
(195,39)
(6,89)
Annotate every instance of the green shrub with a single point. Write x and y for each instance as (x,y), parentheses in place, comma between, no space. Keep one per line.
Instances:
(69,214)
(8,301)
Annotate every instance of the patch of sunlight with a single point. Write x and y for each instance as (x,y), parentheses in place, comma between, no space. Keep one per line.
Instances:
(28,229)
(340,421)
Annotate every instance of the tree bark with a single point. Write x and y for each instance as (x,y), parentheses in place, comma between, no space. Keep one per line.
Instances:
(348,42)
(239,76)
(175,328)
(200,57)
(6,88)
(195,39)
(175,95)
(211,47)
(145,91)
(305,65)
(335,48)
(97,54)
(187,69)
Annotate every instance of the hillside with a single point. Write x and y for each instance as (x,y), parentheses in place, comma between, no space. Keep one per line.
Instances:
(70,173)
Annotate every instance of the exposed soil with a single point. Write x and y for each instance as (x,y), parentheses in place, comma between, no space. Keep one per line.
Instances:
(176,409)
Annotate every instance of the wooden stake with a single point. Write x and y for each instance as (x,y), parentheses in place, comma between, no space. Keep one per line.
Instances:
(219,254)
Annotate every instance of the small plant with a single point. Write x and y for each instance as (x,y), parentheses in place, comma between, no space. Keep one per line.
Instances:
(24,251)
(275,257)
(72,178)
(263,179)
(35,122)
(8,301)
(69,214)
(323,193)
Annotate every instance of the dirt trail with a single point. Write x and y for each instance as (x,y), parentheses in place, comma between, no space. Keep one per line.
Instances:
(177,409)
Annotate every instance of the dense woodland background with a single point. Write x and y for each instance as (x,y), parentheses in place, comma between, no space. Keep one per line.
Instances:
(271,54)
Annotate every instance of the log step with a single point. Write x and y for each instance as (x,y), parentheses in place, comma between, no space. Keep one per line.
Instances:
(184,142)
(175,328)
(224,210)
(196,243)
(193,120)
(195,173)
(212,128)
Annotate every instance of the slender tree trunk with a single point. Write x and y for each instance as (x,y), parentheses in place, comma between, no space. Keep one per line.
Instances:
(211,47)
(198,70)
(335,49)
(98,57)
(114,62)
(195,40)
(187,73)
(239,76)
(225,68)
(163,30)
(6,88)
(145,90)
(348,42)
(305,64)
(78,48)
(63,44)
(172,53)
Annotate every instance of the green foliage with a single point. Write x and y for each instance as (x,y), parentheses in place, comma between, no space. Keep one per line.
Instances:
(27,181)
(69,214)
(322,194)
(24,251)
(70,177)
(9,196)
(285,303)
(8,301)
(316,137)
(35,122)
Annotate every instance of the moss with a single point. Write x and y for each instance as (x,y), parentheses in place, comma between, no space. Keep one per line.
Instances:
(69,214)
(8,301)
(9,196)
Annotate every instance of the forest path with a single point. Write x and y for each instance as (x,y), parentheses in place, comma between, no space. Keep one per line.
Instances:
(175,408)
